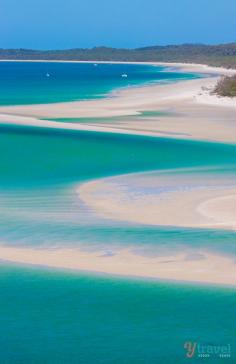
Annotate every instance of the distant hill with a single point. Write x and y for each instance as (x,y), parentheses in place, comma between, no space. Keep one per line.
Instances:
(215,55)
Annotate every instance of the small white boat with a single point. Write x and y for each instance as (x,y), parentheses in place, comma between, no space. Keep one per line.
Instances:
(95,64)
(124,75)
(47,74)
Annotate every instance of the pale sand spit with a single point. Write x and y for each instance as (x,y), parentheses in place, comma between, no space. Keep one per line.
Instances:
(202,267)
(180,200)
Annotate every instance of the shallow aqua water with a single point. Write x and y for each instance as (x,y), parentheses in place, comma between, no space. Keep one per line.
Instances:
(37,156)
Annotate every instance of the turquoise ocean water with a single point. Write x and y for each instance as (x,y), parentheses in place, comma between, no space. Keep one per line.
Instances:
(49,316)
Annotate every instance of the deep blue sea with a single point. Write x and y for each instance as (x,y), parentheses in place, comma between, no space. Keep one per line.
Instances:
(45,82)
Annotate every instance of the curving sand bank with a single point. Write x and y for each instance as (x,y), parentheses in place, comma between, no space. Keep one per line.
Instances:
(201,267)
(182,200)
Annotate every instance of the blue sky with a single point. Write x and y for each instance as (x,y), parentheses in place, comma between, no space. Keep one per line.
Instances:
(48,24)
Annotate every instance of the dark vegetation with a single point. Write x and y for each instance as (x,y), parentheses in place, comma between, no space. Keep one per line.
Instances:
(226,86)
(215,55)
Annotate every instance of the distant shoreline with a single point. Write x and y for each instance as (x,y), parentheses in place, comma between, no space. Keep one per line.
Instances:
(217,55)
